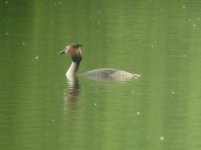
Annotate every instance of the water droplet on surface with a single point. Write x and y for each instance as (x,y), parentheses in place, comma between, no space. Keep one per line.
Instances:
(138,113)
(194,25)
(162,138)
(183,6)
(95,104)
(173,92)
(36,57)
(6,2)
(6,33)
(23,43)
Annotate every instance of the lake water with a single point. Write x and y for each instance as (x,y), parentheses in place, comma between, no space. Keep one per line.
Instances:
(40,109)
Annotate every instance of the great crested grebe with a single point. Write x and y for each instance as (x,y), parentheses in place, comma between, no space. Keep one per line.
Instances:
(74,51)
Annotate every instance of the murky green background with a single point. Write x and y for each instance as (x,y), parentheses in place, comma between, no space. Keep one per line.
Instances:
(160,39)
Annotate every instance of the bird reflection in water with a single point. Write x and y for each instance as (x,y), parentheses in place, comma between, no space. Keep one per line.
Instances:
(72,94)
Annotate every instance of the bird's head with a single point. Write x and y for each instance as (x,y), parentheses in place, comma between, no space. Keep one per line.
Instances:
(74,51)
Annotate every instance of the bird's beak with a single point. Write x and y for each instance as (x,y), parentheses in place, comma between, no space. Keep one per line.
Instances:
(63,52)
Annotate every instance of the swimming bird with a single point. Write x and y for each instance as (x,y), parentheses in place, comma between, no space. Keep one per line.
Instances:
(74,51)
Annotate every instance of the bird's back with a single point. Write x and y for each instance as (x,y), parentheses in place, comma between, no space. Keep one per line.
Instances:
(110,74)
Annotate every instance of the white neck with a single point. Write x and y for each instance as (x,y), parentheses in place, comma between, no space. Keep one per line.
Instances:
(71,73)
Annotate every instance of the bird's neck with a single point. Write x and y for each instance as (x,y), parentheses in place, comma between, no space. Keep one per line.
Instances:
(71,72)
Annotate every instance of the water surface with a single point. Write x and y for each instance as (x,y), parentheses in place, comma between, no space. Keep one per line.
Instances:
(158,39)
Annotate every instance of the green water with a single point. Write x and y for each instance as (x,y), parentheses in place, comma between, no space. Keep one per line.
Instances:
(160,39)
